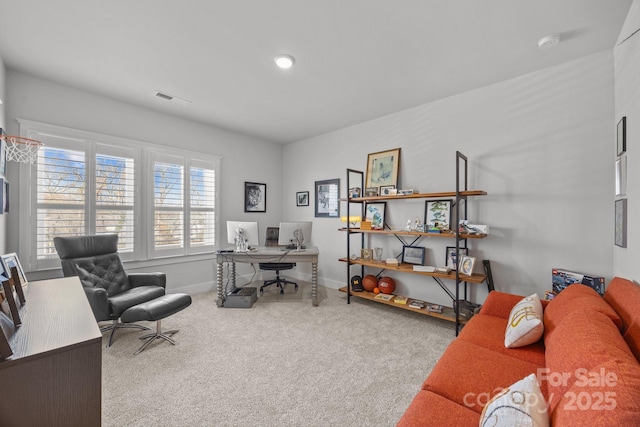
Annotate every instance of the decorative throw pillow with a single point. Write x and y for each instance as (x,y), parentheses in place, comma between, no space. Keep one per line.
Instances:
(525,323)
(522,405)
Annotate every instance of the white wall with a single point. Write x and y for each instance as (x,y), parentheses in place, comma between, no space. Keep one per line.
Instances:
(540,145)
(627,103)
(243,158)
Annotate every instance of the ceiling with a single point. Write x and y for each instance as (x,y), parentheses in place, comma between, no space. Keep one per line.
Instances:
(356,60)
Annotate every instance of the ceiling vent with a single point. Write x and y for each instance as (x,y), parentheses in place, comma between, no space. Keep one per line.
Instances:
(164,96)
(168,97)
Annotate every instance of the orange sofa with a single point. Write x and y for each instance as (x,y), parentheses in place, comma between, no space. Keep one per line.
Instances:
(586,363)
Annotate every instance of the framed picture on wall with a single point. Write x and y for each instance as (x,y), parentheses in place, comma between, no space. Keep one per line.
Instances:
(327,195)
(621,136)
(302,198)
(620,235)
(255,197)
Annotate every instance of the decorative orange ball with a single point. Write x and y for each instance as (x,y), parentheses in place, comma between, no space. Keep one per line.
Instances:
(369,282)
(387,285)
(376,290)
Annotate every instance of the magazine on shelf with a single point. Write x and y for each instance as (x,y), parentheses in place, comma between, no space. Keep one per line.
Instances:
(434,308)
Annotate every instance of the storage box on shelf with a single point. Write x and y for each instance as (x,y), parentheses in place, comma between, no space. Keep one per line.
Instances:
(461,194)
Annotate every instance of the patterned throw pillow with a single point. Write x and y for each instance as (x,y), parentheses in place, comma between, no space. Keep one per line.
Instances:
(525,323)
(522,405)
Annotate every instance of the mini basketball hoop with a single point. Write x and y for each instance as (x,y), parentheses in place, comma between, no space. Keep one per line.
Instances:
(20,149)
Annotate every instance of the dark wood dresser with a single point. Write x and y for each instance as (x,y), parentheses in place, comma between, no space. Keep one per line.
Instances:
(54,377)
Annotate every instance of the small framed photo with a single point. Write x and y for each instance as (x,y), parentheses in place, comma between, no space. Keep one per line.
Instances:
(255,197)
(302,198)
(451,257)
(621,136)
(413,255)
(466,265)
(327,195)
(366,254)
(620,236)
(387,190)
(11,260)
(355,192)
(371,192)
(437,214)
(375,213)
(382,168)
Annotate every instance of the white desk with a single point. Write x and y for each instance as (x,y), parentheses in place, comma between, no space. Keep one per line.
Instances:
(266,254)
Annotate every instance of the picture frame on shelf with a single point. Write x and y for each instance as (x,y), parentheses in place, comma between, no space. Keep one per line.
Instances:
(375,213)
(10,260)
(327,196)
(413,255)
(621,136)
(371,192)
(8,288)
(437,214)
(451,257)
(302,198)
(382,168)
(466,265)
(355,192)
(255,197)
(387,190)
(620,229)
(366,254)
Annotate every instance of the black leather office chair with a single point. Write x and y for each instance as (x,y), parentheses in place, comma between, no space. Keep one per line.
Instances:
(110,290)
(272,240)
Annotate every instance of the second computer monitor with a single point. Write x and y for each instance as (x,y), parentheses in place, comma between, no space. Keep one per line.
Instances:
(292,231)
(249,232)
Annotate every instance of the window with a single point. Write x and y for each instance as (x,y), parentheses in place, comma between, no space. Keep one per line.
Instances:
(86,183)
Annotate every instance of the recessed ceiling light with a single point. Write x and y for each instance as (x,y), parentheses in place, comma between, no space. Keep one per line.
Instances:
(284,61)
(548,41)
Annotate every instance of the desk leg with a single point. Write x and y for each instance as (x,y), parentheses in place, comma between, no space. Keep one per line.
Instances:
(219,278)
(314,284)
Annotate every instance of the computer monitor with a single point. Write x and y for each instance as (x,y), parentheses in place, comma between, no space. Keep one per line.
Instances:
(295,233)
(249,232)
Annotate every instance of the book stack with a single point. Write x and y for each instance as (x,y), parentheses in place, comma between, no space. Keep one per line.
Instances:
(434,308)
(416,303)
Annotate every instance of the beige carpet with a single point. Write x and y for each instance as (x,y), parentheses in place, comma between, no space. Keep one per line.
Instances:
(280,363)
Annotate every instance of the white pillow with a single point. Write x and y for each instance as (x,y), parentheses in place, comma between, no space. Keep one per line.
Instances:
(520,405)
(525,323)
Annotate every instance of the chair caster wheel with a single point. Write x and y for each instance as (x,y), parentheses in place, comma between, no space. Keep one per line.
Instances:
(282,291)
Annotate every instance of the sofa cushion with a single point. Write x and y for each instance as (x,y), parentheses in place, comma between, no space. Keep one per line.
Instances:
(624,297)
(470,375)
(488,332)
(499,304)
(573,298)
(521,404)
(579,345)
(525,323)
(430,409)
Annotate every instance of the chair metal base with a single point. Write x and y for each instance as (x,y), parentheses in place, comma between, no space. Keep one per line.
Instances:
(119,325)
(280,283)
(158,334)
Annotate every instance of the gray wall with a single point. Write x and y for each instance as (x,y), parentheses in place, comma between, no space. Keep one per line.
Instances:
(540,145)
(627,95)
